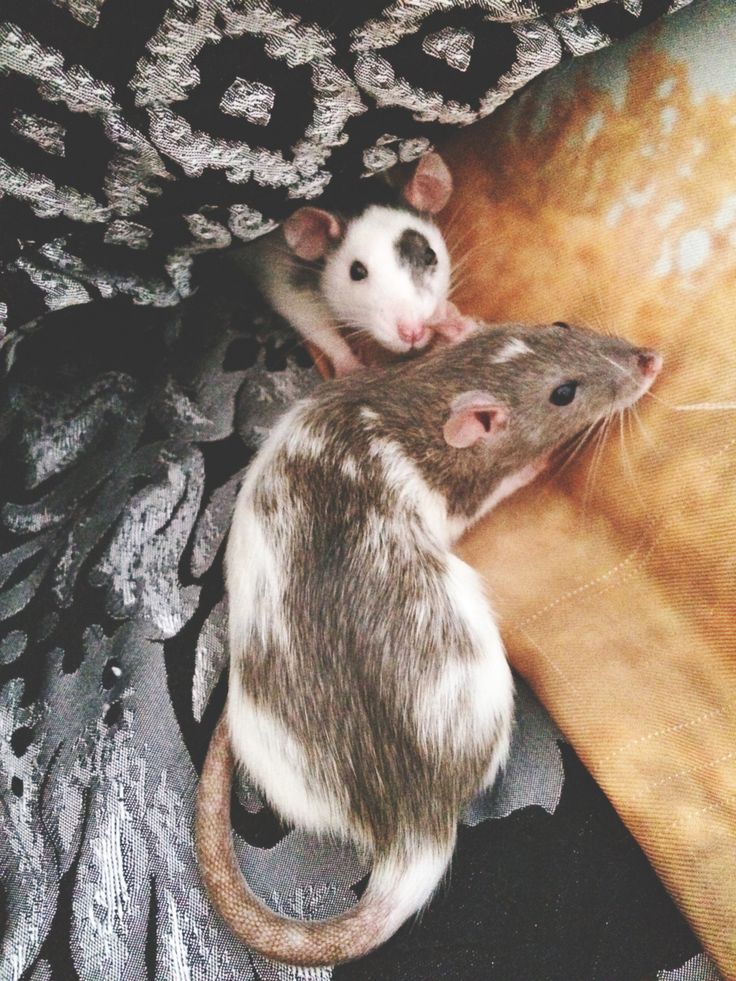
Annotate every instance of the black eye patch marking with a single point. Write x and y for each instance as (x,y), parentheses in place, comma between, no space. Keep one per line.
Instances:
(561,323)
(358,271)
(564,394)
(414,251)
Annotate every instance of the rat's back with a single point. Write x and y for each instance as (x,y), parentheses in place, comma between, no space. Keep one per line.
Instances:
(369,692)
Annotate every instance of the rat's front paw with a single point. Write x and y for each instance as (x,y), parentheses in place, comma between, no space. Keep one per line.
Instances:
(346,364)
(452,326)
(533,469)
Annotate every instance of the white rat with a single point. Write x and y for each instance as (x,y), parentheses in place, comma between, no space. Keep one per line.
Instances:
(369,693)
(376,264)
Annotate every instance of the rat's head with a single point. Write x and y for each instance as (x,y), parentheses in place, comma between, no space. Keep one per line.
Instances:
(535,388)
(387,270)
(388,275)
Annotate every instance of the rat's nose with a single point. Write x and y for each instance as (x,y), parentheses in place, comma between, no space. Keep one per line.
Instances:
(649,363)
(411,333)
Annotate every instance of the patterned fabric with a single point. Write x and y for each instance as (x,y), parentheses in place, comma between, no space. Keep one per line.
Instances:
(124,434)
(137,134)
(134,137)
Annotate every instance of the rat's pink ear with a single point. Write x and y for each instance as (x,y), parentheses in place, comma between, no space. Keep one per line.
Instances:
(474,416)
(430,187)
(309,231)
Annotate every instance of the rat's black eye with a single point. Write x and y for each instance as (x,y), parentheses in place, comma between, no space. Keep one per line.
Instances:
(430,257)
(358,271)
(564,394)
(561,323)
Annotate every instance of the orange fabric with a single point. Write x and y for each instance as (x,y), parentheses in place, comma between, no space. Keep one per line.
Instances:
(616,583)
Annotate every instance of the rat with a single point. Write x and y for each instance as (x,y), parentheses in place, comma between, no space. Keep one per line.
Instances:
(374,263)
(369,693)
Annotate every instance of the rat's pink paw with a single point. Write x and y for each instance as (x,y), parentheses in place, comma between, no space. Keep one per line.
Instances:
(346,364)
(533,469)
(452,326)
(455,330)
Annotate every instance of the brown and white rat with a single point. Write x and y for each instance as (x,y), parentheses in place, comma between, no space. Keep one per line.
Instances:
(374,263)
(369,693)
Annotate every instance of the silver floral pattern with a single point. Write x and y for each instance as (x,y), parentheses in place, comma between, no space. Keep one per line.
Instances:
(125,430)
(160,134)
(125,454)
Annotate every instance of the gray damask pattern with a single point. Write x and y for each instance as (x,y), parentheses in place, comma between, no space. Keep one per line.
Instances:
(214,118)
(113,641)
(100,799)
(125,430)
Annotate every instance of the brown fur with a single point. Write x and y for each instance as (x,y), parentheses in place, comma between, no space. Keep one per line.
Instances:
(370,617)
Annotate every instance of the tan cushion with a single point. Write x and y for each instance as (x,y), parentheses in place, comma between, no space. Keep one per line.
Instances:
(606,195)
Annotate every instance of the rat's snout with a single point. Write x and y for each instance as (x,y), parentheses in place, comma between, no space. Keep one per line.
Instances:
(411,333)
(649,363)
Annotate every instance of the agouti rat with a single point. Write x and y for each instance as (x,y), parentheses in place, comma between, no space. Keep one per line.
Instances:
(369,693)
(374,263)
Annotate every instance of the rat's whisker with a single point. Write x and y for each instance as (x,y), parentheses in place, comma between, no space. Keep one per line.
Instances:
(459,276)
(353,329)
(461,265)
(642,428)
(349,322)
(457,285)
(597,457)
(466,231)
(458,261)
(456,244)
(452,220)
(461,251)
(600,435)
(628,466)
(658,398)
(563,457)
(357,334)
(575,447)
(705,407)
(470,250)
